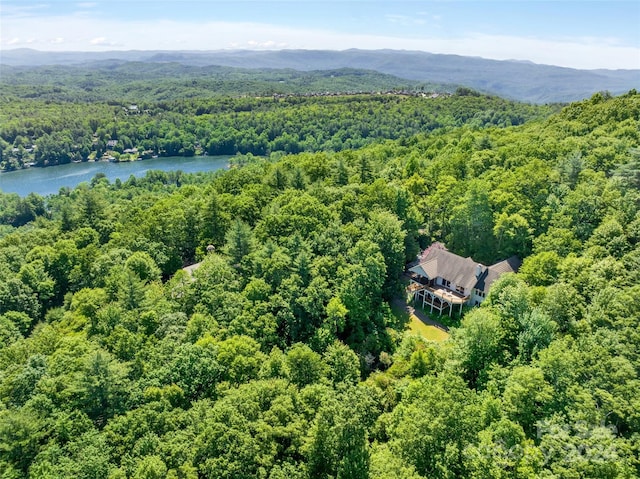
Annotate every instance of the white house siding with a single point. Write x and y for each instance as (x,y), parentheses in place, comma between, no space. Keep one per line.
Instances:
(476,297)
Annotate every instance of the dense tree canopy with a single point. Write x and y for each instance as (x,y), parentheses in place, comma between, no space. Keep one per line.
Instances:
(280,356)
(55,132)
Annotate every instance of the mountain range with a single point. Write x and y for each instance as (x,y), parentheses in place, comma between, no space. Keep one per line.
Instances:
(524,81)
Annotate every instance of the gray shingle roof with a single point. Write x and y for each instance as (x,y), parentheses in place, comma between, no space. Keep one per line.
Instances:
(438,262)
(509,265)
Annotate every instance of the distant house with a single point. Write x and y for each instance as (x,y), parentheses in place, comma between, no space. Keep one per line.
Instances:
(112,143)
(443,281)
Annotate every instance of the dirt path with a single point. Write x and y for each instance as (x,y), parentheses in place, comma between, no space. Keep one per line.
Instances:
(401,303)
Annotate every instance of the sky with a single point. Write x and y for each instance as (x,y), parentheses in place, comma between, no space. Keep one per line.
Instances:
(585,34)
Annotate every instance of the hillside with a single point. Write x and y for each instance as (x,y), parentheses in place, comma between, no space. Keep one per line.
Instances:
(280,356)
(512,79)
(46,132)
(120,81)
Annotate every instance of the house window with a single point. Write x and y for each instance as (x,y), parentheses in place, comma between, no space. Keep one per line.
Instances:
(460,289)
(446,283)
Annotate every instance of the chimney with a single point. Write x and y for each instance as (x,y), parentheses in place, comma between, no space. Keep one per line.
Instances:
(478,270)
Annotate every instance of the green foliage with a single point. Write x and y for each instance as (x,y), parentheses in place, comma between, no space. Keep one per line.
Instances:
(141,81)
(343,364)
(304,365)
(480,344)
(101,388)
(541,269)
(76,131)
(238,242)
(432,439)
(276,355)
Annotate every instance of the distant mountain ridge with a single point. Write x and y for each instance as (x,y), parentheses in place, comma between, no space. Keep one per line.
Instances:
(520,80)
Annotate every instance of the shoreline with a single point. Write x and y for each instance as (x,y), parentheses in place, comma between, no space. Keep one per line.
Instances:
(48,180)
(28,166)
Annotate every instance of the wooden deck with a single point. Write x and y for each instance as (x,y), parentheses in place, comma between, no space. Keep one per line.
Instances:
(437,298)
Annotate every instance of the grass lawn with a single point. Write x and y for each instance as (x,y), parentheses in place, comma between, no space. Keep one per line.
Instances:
(425,330)
(416,326)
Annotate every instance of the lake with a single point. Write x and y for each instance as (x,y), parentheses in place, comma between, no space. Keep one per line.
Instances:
(47,181)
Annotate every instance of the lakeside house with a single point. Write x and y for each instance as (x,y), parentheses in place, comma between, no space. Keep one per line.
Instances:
(444,281)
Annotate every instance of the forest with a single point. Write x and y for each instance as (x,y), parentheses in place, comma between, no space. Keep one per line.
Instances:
(138,81)
(44,133)
(281,355)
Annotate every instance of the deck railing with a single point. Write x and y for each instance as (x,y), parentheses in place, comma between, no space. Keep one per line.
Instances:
(437,297)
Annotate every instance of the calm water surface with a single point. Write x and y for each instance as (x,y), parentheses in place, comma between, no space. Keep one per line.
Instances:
(46,181)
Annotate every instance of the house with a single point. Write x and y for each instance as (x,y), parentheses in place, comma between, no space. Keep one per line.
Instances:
(112,143)
(442,280)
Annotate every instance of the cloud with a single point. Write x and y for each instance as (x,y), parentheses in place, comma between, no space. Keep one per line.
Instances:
(86,4)
(57,40)
(14,41)
(103,42)
(98,41)
(404,20)
(267,45)
(570,52)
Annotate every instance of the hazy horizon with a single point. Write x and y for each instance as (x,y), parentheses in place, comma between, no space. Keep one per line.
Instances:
(583,35)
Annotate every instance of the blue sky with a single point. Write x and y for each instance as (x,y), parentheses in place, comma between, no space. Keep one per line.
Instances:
(579,34)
